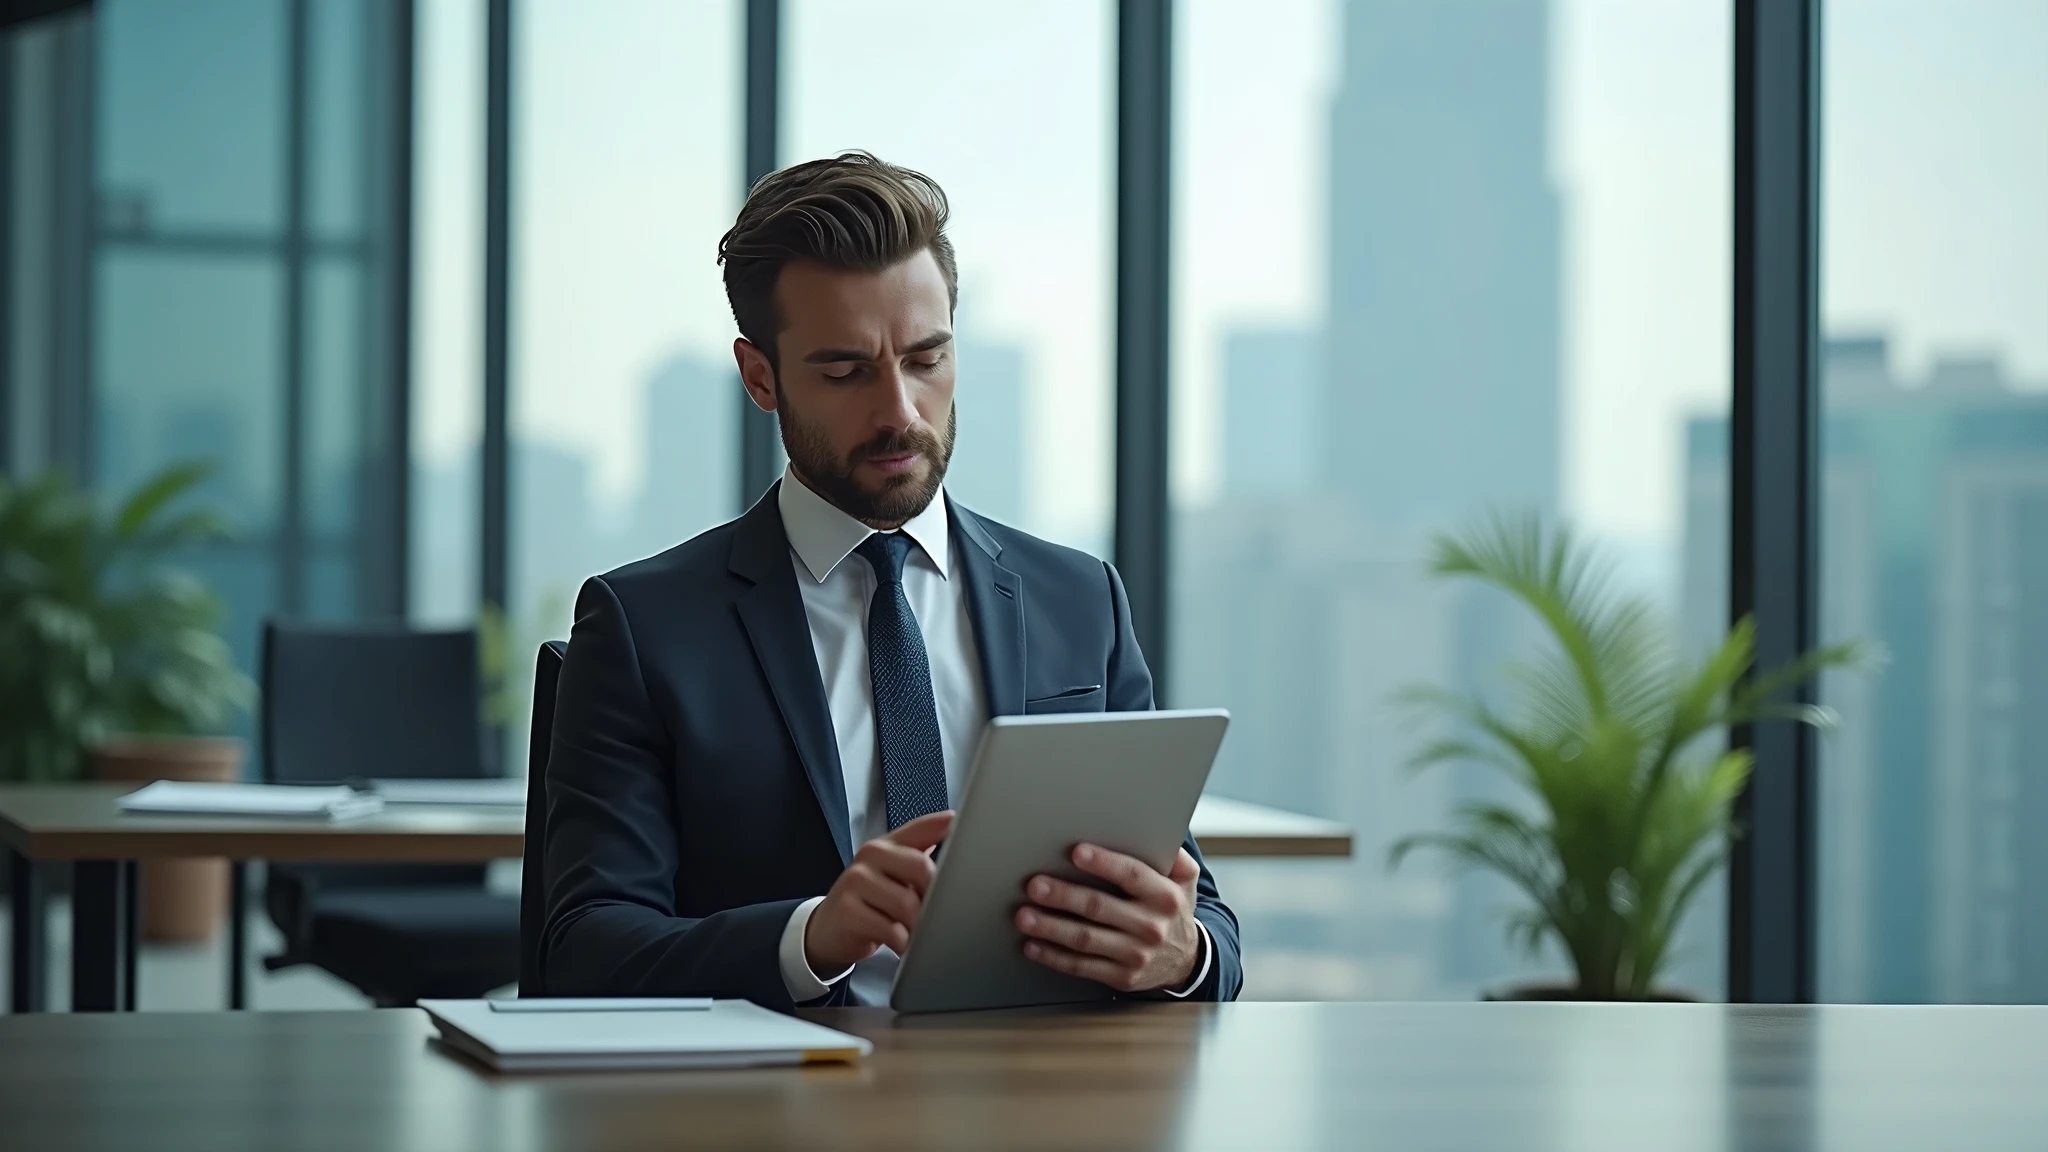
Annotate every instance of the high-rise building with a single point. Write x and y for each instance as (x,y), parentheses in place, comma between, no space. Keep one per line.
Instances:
(691,476)
(1272,409)
(1934,523)
(987,472)
(1443,331)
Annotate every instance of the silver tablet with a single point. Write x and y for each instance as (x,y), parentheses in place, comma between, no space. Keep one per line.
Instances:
(1040,785)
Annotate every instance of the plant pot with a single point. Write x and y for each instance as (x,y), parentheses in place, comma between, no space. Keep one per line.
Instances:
(182,901)
(1570,992)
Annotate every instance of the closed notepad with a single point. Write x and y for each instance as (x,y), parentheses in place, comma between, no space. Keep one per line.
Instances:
(729,1034)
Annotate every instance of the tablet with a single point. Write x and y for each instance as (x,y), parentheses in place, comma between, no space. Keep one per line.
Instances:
(1040,785)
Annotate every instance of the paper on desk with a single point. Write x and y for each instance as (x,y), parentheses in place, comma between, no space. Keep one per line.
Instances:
(186,797)
(506,793)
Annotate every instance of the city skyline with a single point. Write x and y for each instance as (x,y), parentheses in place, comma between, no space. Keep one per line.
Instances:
(1934,534)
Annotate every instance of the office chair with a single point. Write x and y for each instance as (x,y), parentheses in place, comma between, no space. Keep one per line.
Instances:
(345,704)
(533,904)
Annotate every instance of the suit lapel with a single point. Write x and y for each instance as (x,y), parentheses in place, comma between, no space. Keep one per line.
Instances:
(773,613)
(995,599)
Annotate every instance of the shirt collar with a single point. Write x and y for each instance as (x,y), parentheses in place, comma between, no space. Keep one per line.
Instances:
(822,535)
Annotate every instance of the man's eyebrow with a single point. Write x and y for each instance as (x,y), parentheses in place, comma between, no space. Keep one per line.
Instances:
(857,355)
(837,356)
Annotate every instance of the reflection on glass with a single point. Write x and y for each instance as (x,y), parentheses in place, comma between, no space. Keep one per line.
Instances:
(1432,261)
(1934,537)
(1009,107)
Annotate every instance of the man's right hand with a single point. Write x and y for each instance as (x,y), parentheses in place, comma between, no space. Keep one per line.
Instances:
(875,902)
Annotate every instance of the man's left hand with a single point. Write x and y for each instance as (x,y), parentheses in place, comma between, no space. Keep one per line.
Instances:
(1142,940)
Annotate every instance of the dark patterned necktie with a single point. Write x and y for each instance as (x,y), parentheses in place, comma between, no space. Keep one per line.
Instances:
(906,720)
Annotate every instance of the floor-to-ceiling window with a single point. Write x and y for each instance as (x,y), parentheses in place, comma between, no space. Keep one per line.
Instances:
(1431,262)
(1011,108)
(1934,500)
(626,161)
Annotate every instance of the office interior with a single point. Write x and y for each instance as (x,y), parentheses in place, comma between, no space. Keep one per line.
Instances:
(1261,302)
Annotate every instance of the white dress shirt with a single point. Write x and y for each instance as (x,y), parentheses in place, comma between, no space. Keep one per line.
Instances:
(837,587)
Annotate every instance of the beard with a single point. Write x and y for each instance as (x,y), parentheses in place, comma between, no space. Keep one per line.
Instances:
(900,498)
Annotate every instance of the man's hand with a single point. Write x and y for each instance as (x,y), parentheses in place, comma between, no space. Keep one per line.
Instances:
(1142,940)
(875,902)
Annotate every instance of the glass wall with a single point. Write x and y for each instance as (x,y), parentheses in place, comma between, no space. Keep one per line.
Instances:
(625,172)
(1011,108)
(243,273)
(1431,261)
(1935,500)
(447,309)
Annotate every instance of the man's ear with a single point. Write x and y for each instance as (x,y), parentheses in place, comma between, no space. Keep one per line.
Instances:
(756,373)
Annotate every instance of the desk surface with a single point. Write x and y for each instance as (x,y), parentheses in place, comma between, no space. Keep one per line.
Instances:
(1528,1077)
(81,822)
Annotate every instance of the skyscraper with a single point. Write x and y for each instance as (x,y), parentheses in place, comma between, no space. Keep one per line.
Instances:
(1272,397)
(1443,324)
(692,477)
(987,473)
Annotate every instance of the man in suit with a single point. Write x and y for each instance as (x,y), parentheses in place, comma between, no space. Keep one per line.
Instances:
(760,733)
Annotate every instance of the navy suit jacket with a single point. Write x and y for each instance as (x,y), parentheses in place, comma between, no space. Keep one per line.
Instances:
(694,791)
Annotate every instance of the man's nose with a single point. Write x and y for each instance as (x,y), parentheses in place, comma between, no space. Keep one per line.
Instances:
(897,403)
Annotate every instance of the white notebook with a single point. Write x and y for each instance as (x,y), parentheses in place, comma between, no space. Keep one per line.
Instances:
(646,1034)
(185,797)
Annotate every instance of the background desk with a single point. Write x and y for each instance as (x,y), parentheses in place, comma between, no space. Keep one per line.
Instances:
(81,823)
(1529,1077)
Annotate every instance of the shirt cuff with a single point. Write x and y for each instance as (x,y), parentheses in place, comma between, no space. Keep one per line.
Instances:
(1201,973)
(802,983)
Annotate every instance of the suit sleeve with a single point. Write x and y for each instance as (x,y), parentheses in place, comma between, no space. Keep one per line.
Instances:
(611,849)
(1129,687)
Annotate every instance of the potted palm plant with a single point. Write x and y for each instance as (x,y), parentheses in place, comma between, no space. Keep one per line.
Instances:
(111,660)
(1610,735)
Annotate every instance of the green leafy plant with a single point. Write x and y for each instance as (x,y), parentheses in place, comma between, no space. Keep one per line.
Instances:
(1609,734)
(100,635)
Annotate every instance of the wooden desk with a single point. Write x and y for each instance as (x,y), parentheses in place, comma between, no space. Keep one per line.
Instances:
(83,824)
(1529,1077)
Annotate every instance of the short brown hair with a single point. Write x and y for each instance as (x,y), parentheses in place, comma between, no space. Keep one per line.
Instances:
(853,212)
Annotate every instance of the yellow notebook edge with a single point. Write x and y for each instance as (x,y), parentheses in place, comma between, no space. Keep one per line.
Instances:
(831,1056)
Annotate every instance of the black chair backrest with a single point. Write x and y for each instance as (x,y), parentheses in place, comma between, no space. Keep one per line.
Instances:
(533,903)
(348,703)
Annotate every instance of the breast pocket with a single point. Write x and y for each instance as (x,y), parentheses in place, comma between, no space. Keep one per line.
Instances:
(1088,698)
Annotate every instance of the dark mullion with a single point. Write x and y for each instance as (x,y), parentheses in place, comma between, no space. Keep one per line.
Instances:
(6,253)
(291,559)
(392,580)
(1143,172)
(1773,468)
(759,443)
(496,476)
(73,256)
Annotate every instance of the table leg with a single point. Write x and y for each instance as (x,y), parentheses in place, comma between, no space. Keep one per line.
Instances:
(131,930)
(238,935)
(99,918)
(29,942)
